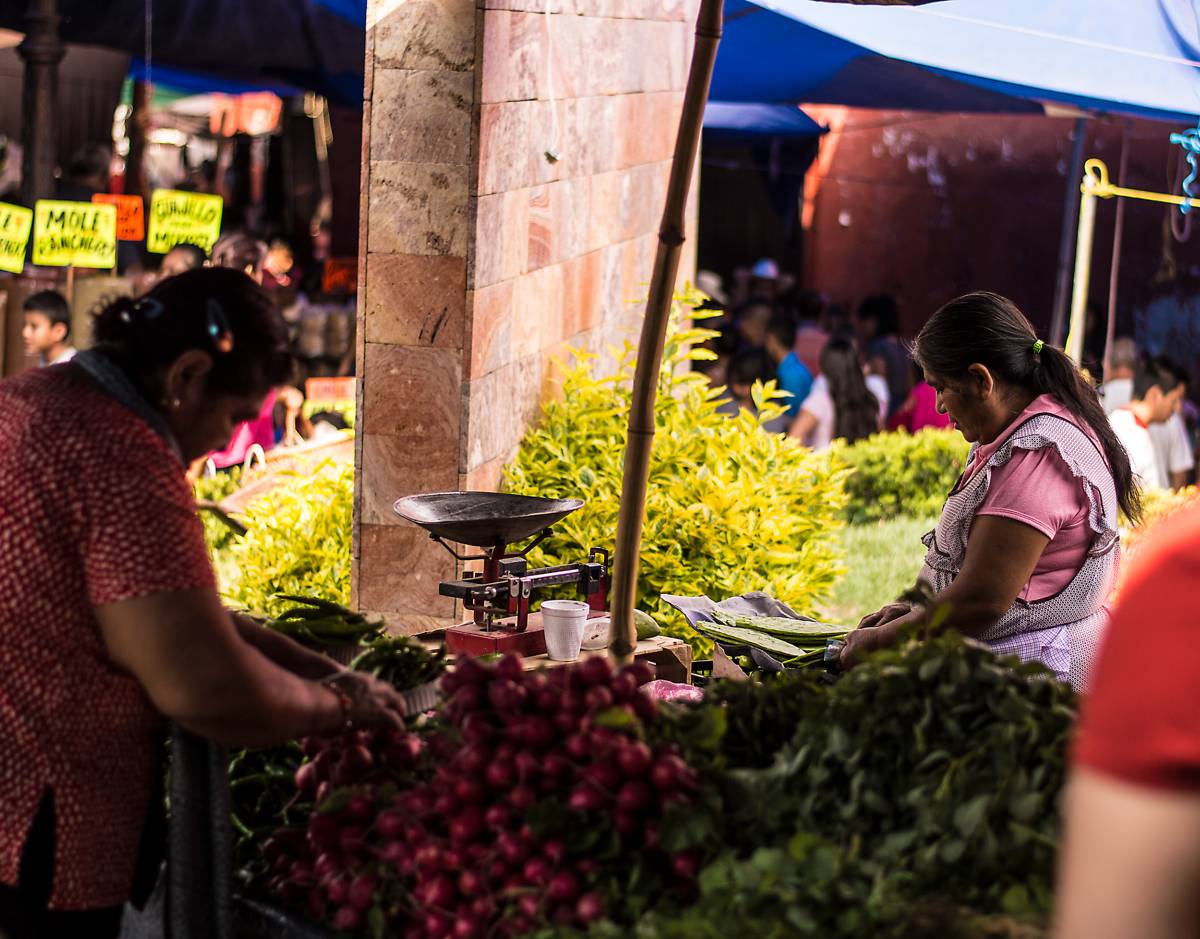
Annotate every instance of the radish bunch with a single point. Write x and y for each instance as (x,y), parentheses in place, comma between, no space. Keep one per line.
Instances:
(492,824)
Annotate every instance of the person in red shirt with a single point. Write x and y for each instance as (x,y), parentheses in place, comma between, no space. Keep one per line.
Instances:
(1130,866)
(110,621)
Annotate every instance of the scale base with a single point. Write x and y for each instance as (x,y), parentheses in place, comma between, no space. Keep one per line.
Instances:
(474,640)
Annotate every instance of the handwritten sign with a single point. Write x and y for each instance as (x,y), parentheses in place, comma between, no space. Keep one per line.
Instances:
(15,225)
(131,219)
(329,390)
(76,234)
(192,218)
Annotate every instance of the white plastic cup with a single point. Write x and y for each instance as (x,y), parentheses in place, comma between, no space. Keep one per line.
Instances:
(563,621)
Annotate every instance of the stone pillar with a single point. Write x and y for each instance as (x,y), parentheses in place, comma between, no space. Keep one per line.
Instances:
(482,258)
(41,51)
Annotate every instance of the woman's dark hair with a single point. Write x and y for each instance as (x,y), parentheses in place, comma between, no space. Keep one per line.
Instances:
(987,329)
(855,408)
(217,310)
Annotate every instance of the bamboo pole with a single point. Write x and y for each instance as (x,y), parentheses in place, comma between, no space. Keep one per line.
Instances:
(623,634)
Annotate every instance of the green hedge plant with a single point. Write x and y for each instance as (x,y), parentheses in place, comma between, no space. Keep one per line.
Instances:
(297,541)
(730,508)
(901,474)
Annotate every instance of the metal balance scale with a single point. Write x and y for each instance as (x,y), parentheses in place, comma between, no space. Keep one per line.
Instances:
(499,596)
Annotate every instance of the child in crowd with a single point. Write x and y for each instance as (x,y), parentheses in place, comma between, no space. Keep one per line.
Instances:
(47,329)
(790,373)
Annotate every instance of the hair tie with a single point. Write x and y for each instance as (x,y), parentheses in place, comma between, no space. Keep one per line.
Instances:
(1037,346)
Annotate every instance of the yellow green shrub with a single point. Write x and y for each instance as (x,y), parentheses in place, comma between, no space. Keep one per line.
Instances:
(902,474)
(730,508)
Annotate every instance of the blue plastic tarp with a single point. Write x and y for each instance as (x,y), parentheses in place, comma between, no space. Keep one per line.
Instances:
(314,45)
(737,119)
(1138,57)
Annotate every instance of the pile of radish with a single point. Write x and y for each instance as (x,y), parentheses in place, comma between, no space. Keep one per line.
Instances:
(517,808)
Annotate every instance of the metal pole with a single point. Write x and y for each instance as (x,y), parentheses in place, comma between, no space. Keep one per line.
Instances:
(1114,269)
(1066,242)
(42,51)
(654,328)
(1083,271)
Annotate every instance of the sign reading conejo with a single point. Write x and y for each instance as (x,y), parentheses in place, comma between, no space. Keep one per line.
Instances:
(15,224)
(76,234)
(183,218)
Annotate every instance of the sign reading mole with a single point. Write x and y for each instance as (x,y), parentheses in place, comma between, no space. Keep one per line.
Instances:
(74,234)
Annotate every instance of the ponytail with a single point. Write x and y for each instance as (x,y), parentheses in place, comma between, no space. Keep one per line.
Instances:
(988,329)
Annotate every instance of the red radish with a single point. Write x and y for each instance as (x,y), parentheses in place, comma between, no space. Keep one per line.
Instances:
(454,859)
(470,884)
(527,765)
(324,762)
(635,796)
(587,867)
(468,927)
(445,804)
(324,791)
(625,823)
(641,671)
(585,798)
(326,865)
(338,891)
(390,824)
(473,758)
(624,687)
(482,908)
(347,918)
(554,850)
(556,766)
(510,667)
(323,832)
(578,746)
(522,798)
(506,696)
(300,874)
(351,840)
(563,887)
(395,853)
(497,816)
(306,779)
(468,791)
(437,926)
(429,858)
(512,848)
(311,746)
(466,826)
(439,893)
(500,774)
(594,670)
(668,773)
(360,808)
(468,698)
(650,838)
(536,870)
(537,732)
(478,730)
(529,905)
(497,870)
(645,707)
(635,759)
(589,908)
(362,891)
(527,835)
(549,701)
(686,865)
(603,776)
(598,698)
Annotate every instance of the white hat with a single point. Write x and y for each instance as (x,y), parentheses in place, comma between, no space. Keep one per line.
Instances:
(711,284)
(765,269)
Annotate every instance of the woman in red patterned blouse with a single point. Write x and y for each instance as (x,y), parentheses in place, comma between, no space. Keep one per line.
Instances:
(109,616)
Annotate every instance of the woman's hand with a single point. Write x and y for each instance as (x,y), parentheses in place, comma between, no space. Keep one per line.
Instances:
(374,704)
(885,615)
(864,640)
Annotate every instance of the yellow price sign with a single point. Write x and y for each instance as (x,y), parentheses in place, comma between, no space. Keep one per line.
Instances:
(192,218)
(16,222)
(74,234)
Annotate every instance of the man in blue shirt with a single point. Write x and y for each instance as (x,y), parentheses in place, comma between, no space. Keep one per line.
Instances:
(790,373)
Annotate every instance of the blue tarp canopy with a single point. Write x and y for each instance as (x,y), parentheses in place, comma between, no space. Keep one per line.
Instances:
(315,45)
(736,120)
(1136,57)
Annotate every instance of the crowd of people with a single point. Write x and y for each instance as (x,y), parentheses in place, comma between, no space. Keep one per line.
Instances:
(849,375)
(843,376)
(280,420)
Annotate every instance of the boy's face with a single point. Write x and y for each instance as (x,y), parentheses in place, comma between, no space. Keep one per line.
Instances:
(39,334)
